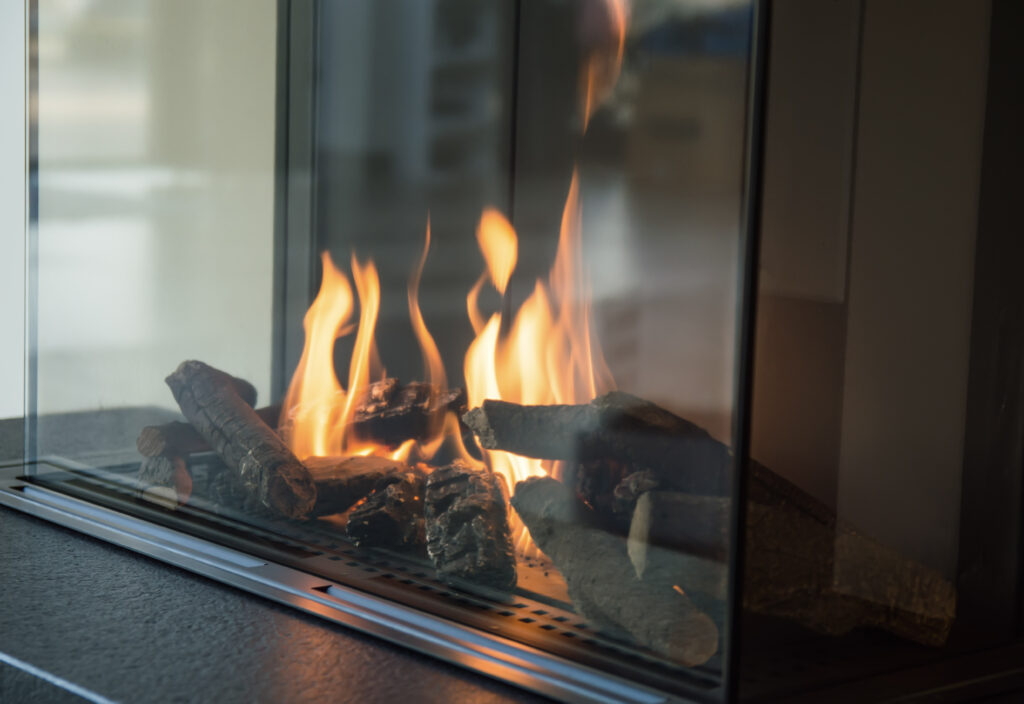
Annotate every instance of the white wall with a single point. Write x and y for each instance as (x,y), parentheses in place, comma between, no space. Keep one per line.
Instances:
(156,196)
(12,207)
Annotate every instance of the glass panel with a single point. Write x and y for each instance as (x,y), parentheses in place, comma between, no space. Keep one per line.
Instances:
(511,400)
(624,221)
(156,191)
(865,552)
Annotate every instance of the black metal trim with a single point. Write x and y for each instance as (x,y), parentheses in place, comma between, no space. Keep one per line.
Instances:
(294,185)
(990,571)
(757,77)
(279,329)
(517,21)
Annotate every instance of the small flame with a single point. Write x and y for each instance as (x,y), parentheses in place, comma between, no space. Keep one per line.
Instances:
(498,242)
(314,399)
(602,67)
(433,366)
(368,288)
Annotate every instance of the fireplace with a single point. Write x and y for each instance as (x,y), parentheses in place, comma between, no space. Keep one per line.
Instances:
(547,338)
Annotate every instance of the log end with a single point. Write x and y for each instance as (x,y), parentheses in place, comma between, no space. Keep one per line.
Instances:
(692,641)
(468,536)
(546,499)
(166,477)
(151,441)
(476,420)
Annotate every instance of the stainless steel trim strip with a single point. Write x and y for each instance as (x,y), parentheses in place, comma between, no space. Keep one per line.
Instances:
(473,649)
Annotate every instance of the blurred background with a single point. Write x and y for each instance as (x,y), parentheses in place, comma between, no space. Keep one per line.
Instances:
(12,209)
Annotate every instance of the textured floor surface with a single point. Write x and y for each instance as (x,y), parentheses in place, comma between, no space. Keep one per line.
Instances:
(130,629)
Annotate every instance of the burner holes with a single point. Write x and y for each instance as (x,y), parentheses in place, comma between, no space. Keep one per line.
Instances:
(350,563)
(518,606)
(407,581)
(581,626)
(505,613)
(371,569)
(334,557)
(561,619)
(426,588)
(567,634)
(528,620)
(548,627)
(539,612)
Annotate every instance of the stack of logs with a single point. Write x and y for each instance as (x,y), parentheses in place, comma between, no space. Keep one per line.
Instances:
(646,496)
(456,514)
(638,525)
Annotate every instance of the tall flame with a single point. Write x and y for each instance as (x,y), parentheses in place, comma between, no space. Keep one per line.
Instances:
(548,354)
(545,353)
(433,366)
(315,398)
(317,409)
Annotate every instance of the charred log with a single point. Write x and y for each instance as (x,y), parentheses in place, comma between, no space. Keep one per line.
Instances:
(164,480)
(342,481)
(408,412)
(177,439)
(224,492)
(392,515)
(601,578)
(801,563)
(616,426)
(830,578)
(468,536)
(247,445)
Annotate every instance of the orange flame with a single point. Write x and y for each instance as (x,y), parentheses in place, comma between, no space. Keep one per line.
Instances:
(548,355)
(432,364)
(498,242)
(315,398)
(601,69)
(317,409)
(543,354)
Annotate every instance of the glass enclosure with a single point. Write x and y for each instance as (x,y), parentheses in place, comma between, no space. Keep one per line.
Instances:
(461,281)
(448,302)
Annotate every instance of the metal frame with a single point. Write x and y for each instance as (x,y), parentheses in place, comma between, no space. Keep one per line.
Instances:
(991,571)
(295,183)
(746,333)
(468,647)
